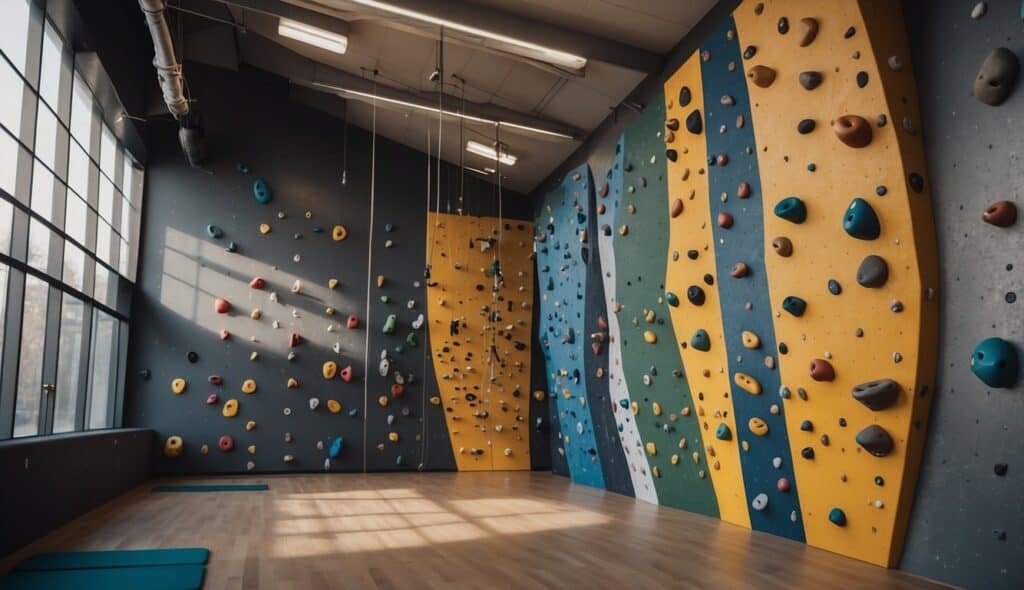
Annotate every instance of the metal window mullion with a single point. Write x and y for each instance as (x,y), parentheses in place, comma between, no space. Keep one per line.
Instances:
(120,374)
(51,350)
(82,410)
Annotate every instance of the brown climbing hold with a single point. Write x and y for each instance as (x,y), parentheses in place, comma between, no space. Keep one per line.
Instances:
(294,340)
(352,322)
(224,334)
(783,247)
(810,80)
(739,270)
(677,208)
(1001,214)
(821,370)
(257,283)
(724,220)
(852,130)
(672,124)
(346,374)
(808,31)
(380,281)
(221,305)
(743,191)
(600,209)
(761,76)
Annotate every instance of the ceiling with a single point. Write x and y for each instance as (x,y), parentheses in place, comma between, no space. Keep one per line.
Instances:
(613,32)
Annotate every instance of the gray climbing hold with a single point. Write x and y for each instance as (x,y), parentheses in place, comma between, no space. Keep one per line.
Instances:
(877,395)
(875,440)
(997,76)
(214,232)
(873,272)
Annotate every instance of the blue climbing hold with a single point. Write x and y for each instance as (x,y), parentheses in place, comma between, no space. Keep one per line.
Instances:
(995,362)
(214,232)
(837,517)
(624,403)
(261,191)
(723,432)
(861,221)
(243,168)
(794,305)
(353,412)
(672,299)
(791,209)
(335,449)
(389,227)
(700,340)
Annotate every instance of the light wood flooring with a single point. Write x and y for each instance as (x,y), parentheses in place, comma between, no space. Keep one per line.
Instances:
(454,530)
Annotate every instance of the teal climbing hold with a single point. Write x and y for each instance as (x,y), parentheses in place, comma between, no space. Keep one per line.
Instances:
(318,230)
(389,324)
(214,232)
(399,460)
(399,348)
(624,403)
(672,299)
(723,432)
(791,209)
(551,284)
(410,340)
(261,191)
(389,227)
(861,221)
(335,448)
(995,362)
(353,412)
(794,305)
(837,517)
(231,247)
(385,299)
(700,340)
(243,168)
(296,236)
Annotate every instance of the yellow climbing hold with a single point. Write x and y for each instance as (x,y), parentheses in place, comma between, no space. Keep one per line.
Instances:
(539,395)
(178,386)
(380,281)
(293,383)
(289,458)
(393,437)
(332,283)
(264,228)
(173,446)
(250,425)
(675,459)
(255,313)
(435,400)
(230,409)
(566,393)
(254,355)
(249,386)
(656,408)
(635,408)
(650,337)
(652,449)
(339,233)
(656,472)
(758,426)
(649,316)
(333,406)
(750,340)
(383,401)
(251,449)
(329,370)
(205,449)
(747,383)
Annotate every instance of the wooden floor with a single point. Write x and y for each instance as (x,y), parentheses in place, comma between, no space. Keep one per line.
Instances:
(455,530)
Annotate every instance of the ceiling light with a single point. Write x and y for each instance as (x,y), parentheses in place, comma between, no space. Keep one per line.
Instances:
(311,35)
(489,152)
(487,38)
(484,172)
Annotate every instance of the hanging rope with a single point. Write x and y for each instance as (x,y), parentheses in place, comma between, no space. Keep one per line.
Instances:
(369,258)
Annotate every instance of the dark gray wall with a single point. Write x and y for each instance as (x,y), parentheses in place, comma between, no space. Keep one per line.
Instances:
(301,153)
(50,480)
(973,160)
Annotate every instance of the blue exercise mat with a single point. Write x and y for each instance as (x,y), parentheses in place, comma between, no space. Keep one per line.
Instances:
(79,560)
(243,487)
(169,577)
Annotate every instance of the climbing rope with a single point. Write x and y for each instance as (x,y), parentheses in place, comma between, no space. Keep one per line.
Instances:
(369,259)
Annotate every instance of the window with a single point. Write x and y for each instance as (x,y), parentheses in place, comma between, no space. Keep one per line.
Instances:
(50,70)
(6,223)
(81,112)
(38,245)
(42,191)
(102,368)
(75,217)
(11,97)
(14,31)
(69,364)
(74,266)
(28,402)
(46,136)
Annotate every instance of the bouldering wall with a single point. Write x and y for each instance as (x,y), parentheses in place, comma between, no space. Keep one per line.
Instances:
(480,311)
(967,524)
(267,287)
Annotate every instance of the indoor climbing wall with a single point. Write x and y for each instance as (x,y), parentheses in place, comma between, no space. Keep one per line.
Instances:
(562,247)
(480,309)
(850,256)
(660,398)
(609,200)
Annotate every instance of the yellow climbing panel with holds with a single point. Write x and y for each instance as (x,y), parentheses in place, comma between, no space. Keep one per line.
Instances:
(852,502)
(688,212)
(480,338)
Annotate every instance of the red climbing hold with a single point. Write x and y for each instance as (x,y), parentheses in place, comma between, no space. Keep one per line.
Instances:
(346,374)
(724,220)
(224,334)
(215,380)
(397,390)
(257,283)
(212,399)
(226,444)
(821,370)
(221,305)
(294,340)
(352,322)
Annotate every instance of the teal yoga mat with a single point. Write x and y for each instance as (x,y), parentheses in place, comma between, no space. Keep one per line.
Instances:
(170,577)
(246,487)
(79,560)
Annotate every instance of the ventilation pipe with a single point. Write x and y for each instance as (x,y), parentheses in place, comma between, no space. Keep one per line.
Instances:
(168,72)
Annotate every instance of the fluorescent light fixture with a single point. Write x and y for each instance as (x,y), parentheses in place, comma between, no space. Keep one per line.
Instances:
(489,39)
(489,152)
(446,112)
(484,172)
(312,35)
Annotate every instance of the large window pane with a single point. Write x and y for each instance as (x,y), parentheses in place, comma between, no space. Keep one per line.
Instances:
(12,89)
(126,219)
(30,367)
(78,169)
(81,112)
(42,191)
(74,266)
(6,221)
(108,152)
(14,31)
(38,244)
(75,217)
(46,136)
(103,241)
(102,367)
(68,364)
(50,69)
(9,150)
(123,266)
(106,201)
(102,284)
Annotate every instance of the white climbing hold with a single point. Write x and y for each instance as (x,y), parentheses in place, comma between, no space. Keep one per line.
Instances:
(793,516)
(418,322)
(295,313)
(287,411)
(280,215)
(777,462)
(336,348)
(391,419)
(330,327)
(319,445)
(760,502)
(250,466)
(273,296)
(979,10)
(276,324)
(291,355)
(384,367)
(314,403)
(508,452)
(410,304)
(296,258)
(297,286)
(388,244)
(327,464)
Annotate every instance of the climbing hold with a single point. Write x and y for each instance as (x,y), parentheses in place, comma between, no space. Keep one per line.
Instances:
(783,247)
(257,283)
(288,458)
(650,337)
(694,122)
(822,370)
(294,339)
(651,448)
(178,386)
(261,191)
(256,313)
(250,425)
(805,126)
(672,299)
(794,305)
(700,340)
(329,370)
(875,440)
(808,31)
(757,426)
(215,380)
(725,220)
(877,395)
(380,281)
(226,444)
(834,287)
(352,322)
(750,340)
(747,383)
(837,517)
(860,220)
(996,77)
(760,502)
(221,305)
(873,272)
(211,399)
(791,209)
(852,130)
(739,270)
(264,228)
(335,449)
(723,432)
(214,232)
(782,485)
(249,386)
(995,362)
(677,208)
(314,403)
(761,76)
(173,446)
(389,324)
(230,409)
(1000,214)
(332,283)
(810,80)
(783,25)
(292,383)
(333,406)
(862,79)
(695,295)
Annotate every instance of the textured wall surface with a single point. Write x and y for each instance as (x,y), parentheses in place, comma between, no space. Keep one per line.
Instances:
(964,507)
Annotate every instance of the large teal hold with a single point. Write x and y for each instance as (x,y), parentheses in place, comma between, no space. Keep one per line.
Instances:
(837,517)
(995,362)
(261,191)
(80,560)
(861,221)
(791,209)
(723,432)
(794,305)
(700,340)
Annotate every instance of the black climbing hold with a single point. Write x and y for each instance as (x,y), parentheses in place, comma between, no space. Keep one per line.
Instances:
(749,52)
(606,229)
(842,422)
(628,167)
(695,295)
(805,126)
(585,255)
(834,287)
(806,426)
(875,440)
(862,79)
(783,349)
(685,96)
(1010,297)
(692,254)
(880,190)
(879,481)
(807,453)
(1001,469)
(810,80)
(709,279)
(794,305)
(694,123)
(881,120)
(783,25)
(916,182)
(811,167)
(671,154)
(849,33)
(192,356)
(877,395)
(873,272)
